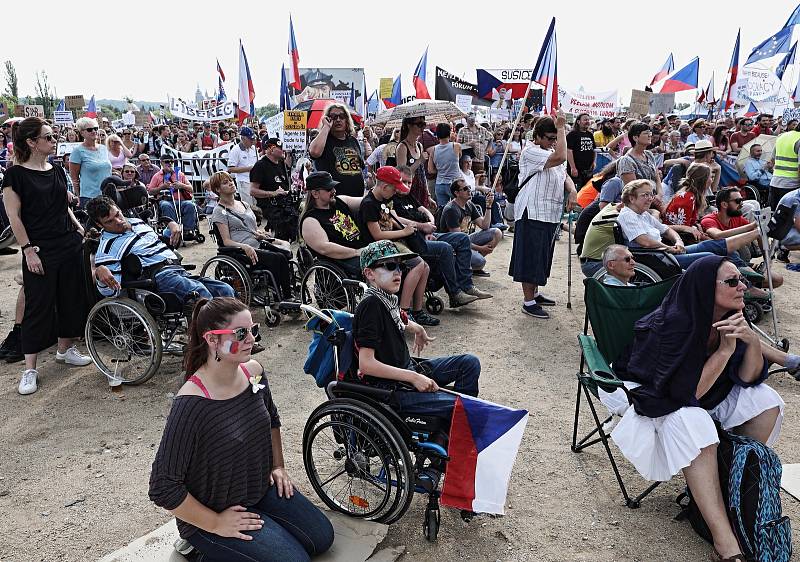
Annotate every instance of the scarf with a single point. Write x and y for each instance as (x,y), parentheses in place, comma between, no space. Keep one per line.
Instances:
(391,304)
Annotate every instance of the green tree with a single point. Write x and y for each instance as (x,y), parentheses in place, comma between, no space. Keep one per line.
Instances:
(267,111)
(45,94)
(12,84)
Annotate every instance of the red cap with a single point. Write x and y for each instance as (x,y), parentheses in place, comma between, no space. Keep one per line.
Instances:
(391,175)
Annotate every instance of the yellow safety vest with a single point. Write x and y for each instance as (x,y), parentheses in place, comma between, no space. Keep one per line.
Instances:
(786,156)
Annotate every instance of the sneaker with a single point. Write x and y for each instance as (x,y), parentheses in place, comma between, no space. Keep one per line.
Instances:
(461,298)
(783,255)
(480,273)
(27,385)
(542,300)
(476,292)
(73,357)
(536,311)
(424,319)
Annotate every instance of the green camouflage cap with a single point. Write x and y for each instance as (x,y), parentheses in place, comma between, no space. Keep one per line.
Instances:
(380,251)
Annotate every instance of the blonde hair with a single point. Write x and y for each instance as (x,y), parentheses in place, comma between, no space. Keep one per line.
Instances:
(351,128)
(216,181)
(112,138)
(86,123)
(630,189)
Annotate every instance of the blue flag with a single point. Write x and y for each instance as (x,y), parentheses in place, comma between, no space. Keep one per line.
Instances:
(771,46)
(787,61)
(61,106)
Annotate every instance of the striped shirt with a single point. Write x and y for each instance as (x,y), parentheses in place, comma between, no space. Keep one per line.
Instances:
(140,240)
(220,451)
(543,195)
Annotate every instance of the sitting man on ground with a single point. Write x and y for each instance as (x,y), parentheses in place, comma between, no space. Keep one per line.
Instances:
(122,237)
(618,261)
(457,216)
(379,326)
(180,190)
(452,252)
(380,222)
(328,224)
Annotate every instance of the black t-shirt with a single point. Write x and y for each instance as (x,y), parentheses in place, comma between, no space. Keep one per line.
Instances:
(43,207)
(374,328)
(372,210)
(407,206)
(343,160)
(453,216)
(270,176)
(338,223)
(582,146)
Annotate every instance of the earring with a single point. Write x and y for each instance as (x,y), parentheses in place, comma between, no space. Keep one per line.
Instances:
(216,355)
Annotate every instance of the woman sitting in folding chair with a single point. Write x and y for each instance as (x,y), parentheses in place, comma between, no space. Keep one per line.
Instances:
(695,360)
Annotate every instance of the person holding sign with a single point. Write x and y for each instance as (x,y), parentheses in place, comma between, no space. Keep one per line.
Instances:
(337,151)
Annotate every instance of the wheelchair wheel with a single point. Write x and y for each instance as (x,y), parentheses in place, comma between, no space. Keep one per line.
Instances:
(434,304)
(357,462)
(430,526)
(323,287)
(123,340)
(753,311)
(643,275)
(199,238)
(223,268)
(272,318)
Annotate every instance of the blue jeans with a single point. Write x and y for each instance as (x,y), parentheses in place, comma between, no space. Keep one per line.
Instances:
(459,242)
(442,254)
(480,238)
(176,280)
(480,200)
(443,194)
(294,530)
(460,370)
(705,248)
(188,213)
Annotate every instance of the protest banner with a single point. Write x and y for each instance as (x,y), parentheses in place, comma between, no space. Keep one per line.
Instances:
(385,88)
(640,102)
(755,84)
(463,102)
(74,102)
(63,118)
(791,113)
(29,111)
(513,80)
(202,164)
(497,114)
(118,124)
(275,125)
(294,130)
(66,148)
(661,103)
(595,104)
(129,118)
(182,110)
(332,83)
(450,87)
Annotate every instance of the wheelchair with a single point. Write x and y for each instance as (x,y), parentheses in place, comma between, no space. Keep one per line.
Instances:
(362,458)
(651,265)
(189,234)
(253,285)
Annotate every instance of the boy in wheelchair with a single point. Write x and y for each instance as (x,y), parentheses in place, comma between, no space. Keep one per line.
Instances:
(383,357)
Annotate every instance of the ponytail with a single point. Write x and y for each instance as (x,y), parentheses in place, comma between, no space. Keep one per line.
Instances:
(208,314)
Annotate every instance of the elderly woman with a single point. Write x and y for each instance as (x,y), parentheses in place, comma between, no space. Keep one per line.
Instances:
(89,163)
(695,361)
(118,154)
(642,230)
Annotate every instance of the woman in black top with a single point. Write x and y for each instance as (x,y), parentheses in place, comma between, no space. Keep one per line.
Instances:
(219,468)
(410,153)
(36,200)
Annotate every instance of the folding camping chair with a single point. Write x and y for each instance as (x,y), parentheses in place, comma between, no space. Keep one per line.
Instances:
(612,312)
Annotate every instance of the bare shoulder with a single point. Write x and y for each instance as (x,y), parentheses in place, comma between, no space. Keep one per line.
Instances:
(190,389)
(254,367)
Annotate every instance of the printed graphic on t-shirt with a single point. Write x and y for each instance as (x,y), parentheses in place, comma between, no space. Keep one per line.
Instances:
(345,225)
(587,144)
(385,220)
(348,161)
(464,224)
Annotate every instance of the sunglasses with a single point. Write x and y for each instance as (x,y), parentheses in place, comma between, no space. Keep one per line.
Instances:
(239,334)
(335,116)
(391,265)
(733,282)
(90,129)
(48,138)
(626,259)
(737,201)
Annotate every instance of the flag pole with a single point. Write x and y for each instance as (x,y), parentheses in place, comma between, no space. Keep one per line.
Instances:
(513,128)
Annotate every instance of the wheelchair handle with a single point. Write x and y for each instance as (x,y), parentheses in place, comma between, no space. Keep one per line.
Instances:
(311,311)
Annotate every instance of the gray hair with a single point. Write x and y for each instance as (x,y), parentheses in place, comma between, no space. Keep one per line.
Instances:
(612,252)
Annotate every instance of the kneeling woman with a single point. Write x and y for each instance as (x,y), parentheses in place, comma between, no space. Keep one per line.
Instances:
(694,361)
(237,227)
(219,468)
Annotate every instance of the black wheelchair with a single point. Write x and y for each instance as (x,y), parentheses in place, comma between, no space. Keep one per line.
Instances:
(189,234)
(254,285)
(362,458)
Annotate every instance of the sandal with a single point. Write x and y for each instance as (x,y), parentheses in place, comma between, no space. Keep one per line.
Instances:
(717,557)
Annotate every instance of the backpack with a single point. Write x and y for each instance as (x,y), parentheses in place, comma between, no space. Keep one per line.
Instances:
(781,222)
(750,478)
(512,186)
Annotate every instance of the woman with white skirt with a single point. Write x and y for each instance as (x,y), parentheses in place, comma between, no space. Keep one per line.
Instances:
(695,360)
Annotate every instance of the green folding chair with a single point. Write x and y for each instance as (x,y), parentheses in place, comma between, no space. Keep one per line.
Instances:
(612,312)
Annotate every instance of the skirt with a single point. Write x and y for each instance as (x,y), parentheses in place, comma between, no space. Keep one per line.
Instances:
(660,447)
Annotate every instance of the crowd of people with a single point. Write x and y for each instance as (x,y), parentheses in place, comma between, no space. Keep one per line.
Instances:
(399,207)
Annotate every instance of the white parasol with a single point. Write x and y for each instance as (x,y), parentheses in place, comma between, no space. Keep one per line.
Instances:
(434,111)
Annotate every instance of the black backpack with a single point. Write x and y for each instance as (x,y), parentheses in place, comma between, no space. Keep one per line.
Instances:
(512,185)
(750,479)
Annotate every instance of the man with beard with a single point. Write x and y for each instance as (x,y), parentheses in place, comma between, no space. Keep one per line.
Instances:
(269,184)
(580,151)
(605,134)
(337,151)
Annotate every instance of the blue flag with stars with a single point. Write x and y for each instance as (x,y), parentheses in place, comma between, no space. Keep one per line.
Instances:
(771,46)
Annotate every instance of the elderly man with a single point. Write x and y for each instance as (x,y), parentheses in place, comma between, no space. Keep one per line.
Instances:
(146,169)
(474,137)
(619,264)
(241,160)
(271,188)
(758,171)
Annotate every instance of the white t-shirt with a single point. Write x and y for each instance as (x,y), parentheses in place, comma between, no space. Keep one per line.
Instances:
(634,225)
(469,179)
(543,195)
(238,158)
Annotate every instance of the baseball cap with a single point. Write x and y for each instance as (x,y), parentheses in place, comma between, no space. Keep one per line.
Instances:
(391,175)
(703,146)
(273,141)
(247,132)
(320,180)
(381,251)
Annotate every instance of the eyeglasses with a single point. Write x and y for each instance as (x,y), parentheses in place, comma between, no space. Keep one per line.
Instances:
(646,195)
(239,334)
(733,282)
(737,201)
(48,138)
(335,116)
(626,259)
(390,265)
(90,129)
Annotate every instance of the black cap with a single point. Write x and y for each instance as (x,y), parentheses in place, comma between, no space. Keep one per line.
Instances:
(320,180)
(273,141)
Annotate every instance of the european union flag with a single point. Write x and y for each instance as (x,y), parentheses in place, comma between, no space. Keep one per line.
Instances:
(778,43)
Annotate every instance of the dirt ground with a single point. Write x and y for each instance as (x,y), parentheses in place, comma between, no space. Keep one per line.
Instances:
(75,459)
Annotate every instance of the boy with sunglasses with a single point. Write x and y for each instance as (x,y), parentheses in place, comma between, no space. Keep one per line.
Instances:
(379,326)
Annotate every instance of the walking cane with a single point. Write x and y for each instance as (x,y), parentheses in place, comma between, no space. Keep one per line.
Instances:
(569,260)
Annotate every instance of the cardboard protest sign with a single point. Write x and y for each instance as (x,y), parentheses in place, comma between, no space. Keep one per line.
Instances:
(202,164)
(29,111)
(463,102)
(74,102)
(385,88)
(294,130)
(182,110)
(128,118)
(595,104)
(63,118)
(640,102)
(275,125)
(661,103)
(66,148)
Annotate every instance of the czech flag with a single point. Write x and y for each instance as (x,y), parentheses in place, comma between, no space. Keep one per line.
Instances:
(707,95)
(489,86)
(484,441)
(734,73)
(91,109)
(787,61)
(752,110)
(546,70)
(247,92)
(219,70)
(397,96)
(665,70)
(684,79)
(294,54)
(419,77)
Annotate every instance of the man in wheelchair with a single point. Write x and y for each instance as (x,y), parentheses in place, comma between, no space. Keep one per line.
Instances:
(123,240)
(180,194)
(383,357)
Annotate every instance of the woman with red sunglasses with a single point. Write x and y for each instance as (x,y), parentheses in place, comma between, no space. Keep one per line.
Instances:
(219,468)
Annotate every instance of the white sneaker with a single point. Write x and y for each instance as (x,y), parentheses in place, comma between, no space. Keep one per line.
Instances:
(73,357)
(27,385)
